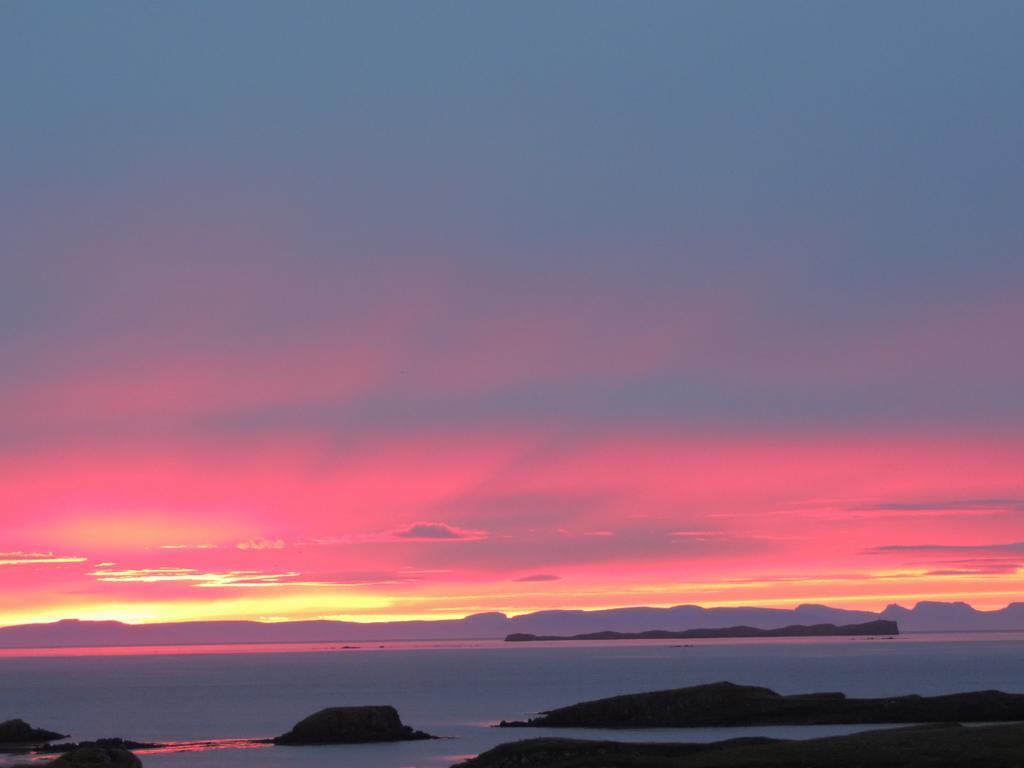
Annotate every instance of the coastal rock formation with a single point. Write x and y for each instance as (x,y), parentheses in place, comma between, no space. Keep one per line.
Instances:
(20,732)
(728,704)
(98,757)
(555,753)
(795,630)
(933,746)
(351,725)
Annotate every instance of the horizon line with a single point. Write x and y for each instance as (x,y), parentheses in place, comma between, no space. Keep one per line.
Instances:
(507,615)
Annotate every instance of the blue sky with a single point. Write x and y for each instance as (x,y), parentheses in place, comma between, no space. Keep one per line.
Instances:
(512,232)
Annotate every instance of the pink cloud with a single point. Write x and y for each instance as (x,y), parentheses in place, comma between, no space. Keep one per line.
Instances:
(436,532)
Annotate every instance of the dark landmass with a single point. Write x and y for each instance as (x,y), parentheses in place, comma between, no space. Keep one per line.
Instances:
(20,732)
(98,757)
(932,746)
(796,630)
(350,725)
(925,616)
(727,704)
(584,753)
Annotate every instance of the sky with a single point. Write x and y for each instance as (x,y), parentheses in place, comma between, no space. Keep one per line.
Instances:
(415,310)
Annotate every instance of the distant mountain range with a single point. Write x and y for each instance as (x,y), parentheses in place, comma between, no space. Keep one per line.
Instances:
(923,617)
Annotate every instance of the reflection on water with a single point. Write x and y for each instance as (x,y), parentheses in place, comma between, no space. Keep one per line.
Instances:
(20,757)
(203,746)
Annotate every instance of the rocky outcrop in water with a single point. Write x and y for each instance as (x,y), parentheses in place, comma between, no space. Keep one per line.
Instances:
(20,732)
(728,704)
(351,725)
(933,746)
(97,757)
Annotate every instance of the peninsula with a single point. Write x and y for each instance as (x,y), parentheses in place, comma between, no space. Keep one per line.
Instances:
(943,745)
(726,704)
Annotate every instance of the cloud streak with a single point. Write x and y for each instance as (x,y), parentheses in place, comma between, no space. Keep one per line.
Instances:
(37,558)
(1011,547)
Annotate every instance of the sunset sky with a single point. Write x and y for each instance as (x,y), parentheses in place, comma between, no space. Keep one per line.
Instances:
(395,309)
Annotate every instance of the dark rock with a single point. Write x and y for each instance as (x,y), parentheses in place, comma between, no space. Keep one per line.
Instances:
(351,725)
(728,704)
(20,732)
(933,746)
(98,757)
(796,630)
(550,752)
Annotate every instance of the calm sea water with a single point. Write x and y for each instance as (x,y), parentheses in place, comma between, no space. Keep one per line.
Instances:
(453,689)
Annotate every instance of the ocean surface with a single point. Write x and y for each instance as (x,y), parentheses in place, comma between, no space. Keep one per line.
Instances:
(457,690)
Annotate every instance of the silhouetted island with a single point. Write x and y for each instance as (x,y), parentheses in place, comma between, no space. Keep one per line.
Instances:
(350,725)
(931,746)
(20,732)
(879,627)
(728,704)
